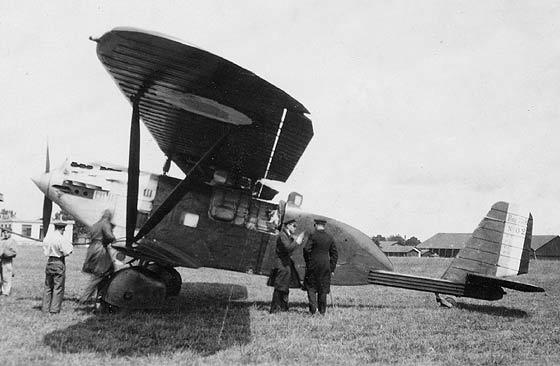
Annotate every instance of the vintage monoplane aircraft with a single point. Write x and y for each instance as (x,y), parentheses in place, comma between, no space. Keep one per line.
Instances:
(226,129)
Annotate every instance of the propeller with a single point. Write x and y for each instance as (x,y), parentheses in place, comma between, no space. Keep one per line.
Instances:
(47,203)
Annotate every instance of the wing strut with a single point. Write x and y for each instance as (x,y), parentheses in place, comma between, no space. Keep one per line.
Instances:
(177,193)
(133,172)
(134,159)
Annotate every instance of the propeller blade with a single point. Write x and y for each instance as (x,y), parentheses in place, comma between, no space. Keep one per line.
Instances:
(47,203)
(47,211)
(133,173)
(48,161)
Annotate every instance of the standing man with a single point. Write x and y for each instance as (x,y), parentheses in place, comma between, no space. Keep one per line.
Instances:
(285,272)
(56,248)
(320,256)
(7,254)
(98,262)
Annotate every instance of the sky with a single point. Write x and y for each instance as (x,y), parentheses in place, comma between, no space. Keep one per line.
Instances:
(425,112)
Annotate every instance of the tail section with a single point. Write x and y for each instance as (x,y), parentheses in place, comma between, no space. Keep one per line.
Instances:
(500,246)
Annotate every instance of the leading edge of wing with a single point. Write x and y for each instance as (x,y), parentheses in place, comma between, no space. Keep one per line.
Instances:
(187,97)
(120,31)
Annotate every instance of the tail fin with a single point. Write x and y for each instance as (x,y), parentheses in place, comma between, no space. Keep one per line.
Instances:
(500,245)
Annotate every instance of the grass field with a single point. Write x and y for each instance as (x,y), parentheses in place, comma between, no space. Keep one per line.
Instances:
(222,318)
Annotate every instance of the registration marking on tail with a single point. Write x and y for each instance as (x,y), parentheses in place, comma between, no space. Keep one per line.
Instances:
(513,239)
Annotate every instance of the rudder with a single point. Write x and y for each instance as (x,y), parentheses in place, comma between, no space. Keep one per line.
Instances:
(499,246)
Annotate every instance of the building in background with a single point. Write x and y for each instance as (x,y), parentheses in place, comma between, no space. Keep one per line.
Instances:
(445,244)
(394,249)
(449,244)
(30,228)
(546,246)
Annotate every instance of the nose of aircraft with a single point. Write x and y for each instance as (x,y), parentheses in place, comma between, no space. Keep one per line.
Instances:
(42,181)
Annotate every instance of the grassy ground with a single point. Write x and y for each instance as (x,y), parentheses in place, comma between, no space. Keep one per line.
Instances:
(222,318)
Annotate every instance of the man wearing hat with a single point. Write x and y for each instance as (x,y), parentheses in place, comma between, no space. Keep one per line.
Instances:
(7,254)
(56,248)
(284,270)
(320,256)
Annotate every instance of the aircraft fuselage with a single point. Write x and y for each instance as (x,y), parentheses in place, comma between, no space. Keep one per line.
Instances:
(213,225)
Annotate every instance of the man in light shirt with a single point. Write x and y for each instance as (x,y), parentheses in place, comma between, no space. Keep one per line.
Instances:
(55,248)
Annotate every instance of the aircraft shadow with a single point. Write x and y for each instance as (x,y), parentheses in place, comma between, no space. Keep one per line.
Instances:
(196,320)
(300,305)
(493,310)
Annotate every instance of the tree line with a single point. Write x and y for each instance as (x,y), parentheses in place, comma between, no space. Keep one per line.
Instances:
(412,241)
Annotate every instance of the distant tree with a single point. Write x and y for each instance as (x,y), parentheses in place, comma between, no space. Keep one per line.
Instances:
(378,238)
(399,239)
(412,241)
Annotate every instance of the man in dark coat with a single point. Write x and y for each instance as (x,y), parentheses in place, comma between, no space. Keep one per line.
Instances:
(284,272)
(320,256)
(98,262)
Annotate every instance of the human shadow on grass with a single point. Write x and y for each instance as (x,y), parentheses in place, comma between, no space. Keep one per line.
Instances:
(202,319)
(493,310)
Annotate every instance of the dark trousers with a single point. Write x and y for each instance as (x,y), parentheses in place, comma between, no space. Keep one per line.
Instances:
(317,300)
(55,275)
(279,301)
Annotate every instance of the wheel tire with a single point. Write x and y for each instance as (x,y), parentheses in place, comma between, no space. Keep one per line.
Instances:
(169,276)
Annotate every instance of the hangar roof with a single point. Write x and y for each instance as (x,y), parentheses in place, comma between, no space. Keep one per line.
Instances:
(458,241)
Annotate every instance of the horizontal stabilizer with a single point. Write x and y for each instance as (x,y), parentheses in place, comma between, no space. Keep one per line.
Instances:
(478,280)
(426,284)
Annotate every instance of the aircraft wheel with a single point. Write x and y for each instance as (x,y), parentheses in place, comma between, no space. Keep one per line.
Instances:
(169,276)
(446,301)
(452,301)
(135,288)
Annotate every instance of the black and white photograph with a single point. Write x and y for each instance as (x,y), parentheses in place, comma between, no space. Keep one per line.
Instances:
(280,182)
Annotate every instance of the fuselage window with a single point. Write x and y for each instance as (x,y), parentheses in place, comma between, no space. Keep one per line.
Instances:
(190,219)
